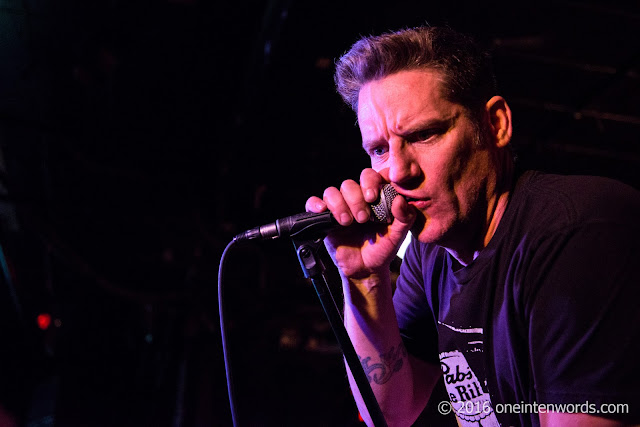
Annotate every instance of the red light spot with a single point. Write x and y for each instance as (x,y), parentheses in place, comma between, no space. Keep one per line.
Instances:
(44,320)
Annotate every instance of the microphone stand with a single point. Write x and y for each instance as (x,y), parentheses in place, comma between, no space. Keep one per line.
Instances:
(313,268)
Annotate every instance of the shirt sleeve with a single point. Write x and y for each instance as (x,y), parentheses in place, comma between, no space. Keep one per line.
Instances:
(414,308)
(584,319)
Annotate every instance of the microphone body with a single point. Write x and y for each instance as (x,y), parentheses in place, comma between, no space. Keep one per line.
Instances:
(319,223)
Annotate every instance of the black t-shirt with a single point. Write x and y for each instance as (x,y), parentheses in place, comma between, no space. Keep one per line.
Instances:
(546,314)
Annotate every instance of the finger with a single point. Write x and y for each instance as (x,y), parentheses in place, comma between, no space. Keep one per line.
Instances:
(352,193)
(337,205)
(371,182)
(402,211)
(315,204)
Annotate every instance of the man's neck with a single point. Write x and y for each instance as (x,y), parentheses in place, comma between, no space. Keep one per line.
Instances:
(496,207)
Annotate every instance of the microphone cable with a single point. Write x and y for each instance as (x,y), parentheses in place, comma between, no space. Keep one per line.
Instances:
(223,335)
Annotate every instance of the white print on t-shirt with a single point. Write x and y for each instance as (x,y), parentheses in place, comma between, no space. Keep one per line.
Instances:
(469,401)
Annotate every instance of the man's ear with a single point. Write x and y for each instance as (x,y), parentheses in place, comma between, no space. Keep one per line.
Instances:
(500,124)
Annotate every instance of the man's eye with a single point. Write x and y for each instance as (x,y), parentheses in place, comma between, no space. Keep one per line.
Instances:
(422,135)
(378,151)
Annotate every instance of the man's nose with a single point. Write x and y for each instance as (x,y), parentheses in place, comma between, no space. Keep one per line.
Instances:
(402,164)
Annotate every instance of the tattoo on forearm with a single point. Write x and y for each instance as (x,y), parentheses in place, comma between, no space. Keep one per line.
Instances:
(390,363)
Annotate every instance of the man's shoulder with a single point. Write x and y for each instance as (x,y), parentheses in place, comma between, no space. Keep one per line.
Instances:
(574,184)
(576,198)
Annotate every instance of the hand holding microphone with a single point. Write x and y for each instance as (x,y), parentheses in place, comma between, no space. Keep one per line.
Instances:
(361,251)
(355,250)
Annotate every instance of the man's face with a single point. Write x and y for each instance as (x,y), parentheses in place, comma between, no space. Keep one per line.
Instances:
(428,148)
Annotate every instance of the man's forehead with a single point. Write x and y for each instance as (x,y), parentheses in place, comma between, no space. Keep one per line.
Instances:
(402,97)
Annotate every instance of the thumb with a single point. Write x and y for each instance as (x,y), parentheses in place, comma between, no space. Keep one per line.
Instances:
(403,212)
(404,215)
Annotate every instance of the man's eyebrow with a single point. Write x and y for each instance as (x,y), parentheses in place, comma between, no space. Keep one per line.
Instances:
(429,123)
(372,143)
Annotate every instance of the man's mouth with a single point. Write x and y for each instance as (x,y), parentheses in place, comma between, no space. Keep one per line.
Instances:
(418,203)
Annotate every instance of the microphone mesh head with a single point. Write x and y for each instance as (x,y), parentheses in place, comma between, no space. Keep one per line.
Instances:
(382,207)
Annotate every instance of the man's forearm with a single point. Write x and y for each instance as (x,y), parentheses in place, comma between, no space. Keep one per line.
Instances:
(371,323)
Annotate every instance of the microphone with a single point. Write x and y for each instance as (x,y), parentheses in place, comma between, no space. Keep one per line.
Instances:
(319,223)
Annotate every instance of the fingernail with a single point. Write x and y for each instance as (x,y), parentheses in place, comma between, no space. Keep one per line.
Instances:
(320,205)
(345,218)
(369,195)
(362,216)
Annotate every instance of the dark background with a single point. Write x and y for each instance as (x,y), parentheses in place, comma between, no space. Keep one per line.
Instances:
(138,137)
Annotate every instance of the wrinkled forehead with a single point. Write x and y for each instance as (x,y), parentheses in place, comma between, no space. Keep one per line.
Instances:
(436,74)
(406,93)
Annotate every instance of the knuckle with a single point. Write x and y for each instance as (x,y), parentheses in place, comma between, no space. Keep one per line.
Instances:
(347,184)
(329,192)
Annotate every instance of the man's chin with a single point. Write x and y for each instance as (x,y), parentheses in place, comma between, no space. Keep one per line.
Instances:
(427,231)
